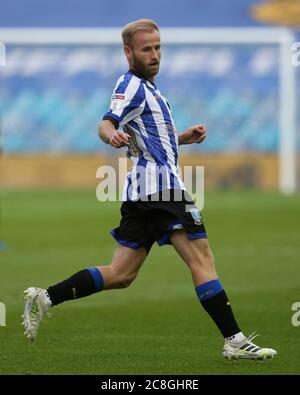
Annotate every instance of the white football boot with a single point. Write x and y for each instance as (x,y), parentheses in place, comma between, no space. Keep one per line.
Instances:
(37,304)
(246,349)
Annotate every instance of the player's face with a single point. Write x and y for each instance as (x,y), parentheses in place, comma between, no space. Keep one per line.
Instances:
(144,53)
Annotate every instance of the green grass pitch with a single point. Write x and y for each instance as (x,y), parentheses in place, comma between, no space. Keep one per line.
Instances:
(156,326)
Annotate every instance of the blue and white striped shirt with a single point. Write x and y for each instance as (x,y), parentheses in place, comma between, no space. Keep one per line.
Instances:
(138,107)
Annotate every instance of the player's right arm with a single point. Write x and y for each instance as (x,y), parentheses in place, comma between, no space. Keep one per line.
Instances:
(110,135)
(127,102)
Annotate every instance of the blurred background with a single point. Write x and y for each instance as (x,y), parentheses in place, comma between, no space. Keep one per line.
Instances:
(226,64)
(57,85)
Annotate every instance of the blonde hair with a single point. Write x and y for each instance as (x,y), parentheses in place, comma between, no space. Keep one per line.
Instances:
(142,24)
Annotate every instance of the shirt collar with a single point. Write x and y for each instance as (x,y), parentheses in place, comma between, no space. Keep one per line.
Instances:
(141,77)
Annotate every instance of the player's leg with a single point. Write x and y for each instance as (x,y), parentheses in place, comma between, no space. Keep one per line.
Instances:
(124,267)
(122,270)
(198,256)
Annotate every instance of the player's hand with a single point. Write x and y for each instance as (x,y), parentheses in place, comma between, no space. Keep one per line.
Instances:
(194,134)
(119,139)
(199,133)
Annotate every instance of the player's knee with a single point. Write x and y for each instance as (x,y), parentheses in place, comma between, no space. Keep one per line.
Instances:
(204,258)
(208,258)
(119,277)
(208,254)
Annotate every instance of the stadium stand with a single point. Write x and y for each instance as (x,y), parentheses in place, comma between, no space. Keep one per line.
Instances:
(52,102)
(51,99)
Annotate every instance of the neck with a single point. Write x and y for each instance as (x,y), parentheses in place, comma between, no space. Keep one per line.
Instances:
(150,79)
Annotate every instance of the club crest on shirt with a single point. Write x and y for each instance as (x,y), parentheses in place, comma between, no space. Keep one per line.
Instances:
(133,149)
(196,215)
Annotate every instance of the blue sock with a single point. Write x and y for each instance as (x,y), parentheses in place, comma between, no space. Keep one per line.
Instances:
(79,285)
(214,300)
(97,277)
(209,289)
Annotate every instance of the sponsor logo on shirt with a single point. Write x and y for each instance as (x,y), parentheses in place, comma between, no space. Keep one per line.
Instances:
(118,97)
(116,101)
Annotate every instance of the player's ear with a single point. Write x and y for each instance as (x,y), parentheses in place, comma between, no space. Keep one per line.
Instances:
(128,52)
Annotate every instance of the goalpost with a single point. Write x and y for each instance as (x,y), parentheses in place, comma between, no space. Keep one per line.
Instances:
(282,37)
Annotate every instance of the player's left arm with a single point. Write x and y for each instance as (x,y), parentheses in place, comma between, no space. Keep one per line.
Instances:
(194,134)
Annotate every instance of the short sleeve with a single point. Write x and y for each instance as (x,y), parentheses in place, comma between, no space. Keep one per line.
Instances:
(127,102)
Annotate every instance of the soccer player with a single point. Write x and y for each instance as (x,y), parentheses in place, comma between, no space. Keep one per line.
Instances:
(155,205)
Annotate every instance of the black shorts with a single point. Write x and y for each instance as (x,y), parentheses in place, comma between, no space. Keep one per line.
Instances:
(144,222)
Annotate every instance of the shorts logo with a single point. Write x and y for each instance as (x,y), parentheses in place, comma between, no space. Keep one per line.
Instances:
(196,215)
